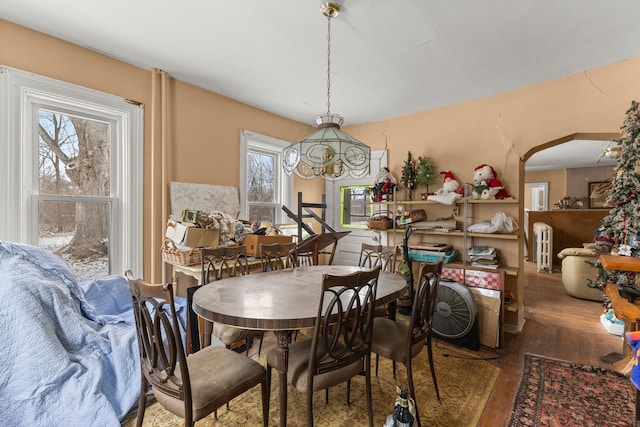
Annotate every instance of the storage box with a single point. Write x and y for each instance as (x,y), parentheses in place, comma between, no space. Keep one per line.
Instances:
(190,236)
(475,278)
(253,242)
(488,306)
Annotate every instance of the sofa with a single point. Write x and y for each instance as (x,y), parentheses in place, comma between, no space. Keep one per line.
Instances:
(577,273)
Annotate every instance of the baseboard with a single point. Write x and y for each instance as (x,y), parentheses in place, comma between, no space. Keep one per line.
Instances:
(514,329)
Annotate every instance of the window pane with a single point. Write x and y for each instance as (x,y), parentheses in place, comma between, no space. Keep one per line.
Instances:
(77,232)
(262,213)
(356,206)
(74,156)
(261,183)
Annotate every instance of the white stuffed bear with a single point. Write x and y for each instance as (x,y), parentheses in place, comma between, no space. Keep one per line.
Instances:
(450,184)
(450,191)
(486,184)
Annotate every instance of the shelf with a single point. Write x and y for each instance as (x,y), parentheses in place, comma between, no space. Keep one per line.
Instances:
(458,202)
(513,307)
(465,210)
(458,233)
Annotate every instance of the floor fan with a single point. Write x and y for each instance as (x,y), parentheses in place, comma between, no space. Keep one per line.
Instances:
(455,317)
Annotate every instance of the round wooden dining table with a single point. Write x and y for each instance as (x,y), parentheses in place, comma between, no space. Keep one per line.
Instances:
(281,301)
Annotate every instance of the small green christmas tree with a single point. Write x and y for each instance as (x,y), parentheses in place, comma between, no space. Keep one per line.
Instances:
(619,233)
(409,172)
(425,172)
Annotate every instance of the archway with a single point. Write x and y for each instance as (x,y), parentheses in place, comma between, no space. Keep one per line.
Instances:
(526,244)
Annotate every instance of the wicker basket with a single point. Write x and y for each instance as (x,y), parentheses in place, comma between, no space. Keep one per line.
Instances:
(380,220)
(172,255)
(418,215)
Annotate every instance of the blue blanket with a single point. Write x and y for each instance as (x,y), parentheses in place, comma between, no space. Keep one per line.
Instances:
(68,349)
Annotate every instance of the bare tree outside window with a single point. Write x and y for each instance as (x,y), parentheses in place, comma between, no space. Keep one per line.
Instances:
(74,167)
(261,187)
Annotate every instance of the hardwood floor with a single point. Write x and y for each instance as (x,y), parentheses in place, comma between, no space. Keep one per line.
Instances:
(557,325)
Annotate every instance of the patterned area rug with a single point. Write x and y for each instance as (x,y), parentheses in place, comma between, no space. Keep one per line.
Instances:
(464,385)
(558,393)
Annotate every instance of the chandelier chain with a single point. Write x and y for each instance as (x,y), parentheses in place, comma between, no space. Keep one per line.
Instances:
(328,64)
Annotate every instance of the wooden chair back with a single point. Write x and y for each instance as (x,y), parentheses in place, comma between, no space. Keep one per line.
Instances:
(424,303)
(223,261)
(345,321)
(374,255)
(278,256)
(162,355)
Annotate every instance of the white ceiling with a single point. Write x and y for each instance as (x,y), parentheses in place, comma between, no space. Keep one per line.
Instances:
(572,154)
(389,58)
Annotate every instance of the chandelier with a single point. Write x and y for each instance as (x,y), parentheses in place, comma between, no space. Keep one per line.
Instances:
(328,151)
(612,152)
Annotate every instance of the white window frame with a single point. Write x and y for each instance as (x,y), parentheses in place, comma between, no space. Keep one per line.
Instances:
(251,141)
(21,95)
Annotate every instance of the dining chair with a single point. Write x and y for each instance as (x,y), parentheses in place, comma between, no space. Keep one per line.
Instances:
(216,263)
(189,387)
(340,348)
(374,255)
(401,341)
(277,256)
(384,256)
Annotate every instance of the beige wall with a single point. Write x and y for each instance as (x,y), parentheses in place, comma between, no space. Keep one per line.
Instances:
(204,127)
(578,179)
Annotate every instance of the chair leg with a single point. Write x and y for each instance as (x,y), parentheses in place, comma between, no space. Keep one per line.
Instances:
(348,392)
(260,345)
(433,370)
(377,363)
(309,407)
(412,392)
(142,401)
(394,369)
(367,374)
(266,391)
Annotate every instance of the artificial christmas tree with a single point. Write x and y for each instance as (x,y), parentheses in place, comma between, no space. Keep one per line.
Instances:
(620,229)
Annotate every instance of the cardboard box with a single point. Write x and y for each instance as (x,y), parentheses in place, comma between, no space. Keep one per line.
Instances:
(186,235)
(488,306)
(253,242)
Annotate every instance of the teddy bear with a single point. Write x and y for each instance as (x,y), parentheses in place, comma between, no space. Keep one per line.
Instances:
(450,184)
(385,182)
(450,191)
(486,184)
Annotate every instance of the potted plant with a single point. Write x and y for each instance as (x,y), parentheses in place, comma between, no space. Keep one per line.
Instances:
(425,172)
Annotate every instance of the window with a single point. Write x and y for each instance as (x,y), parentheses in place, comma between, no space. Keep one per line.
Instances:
(72,159)
(264,186)
(356,206)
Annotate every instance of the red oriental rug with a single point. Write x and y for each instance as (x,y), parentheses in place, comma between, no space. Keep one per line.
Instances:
(558,393)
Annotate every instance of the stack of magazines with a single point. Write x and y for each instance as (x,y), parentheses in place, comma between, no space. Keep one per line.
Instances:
(483,256)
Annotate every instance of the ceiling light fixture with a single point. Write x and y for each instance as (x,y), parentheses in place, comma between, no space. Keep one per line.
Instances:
(328,151)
